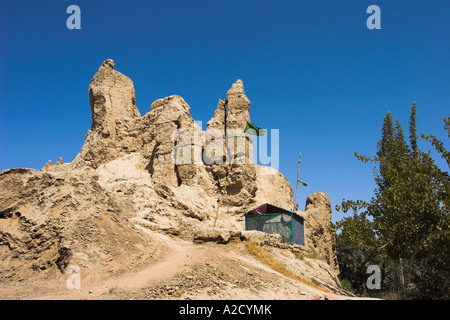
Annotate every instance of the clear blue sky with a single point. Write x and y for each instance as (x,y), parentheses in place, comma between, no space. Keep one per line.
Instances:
(310,68)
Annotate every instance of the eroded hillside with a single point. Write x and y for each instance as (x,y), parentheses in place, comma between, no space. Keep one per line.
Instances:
(140,224)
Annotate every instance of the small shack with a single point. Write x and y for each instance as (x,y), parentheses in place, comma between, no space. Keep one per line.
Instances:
(272,219)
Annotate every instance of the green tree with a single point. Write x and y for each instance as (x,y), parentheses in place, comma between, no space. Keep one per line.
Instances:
(353,264)
(383,149)
(438,145)
(413,129)
(408,216)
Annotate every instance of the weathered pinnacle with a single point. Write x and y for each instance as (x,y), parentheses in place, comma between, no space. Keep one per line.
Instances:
(108,63)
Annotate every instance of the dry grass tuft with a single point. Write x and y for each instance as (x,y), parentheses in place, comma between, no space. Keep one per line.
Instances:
(260,253)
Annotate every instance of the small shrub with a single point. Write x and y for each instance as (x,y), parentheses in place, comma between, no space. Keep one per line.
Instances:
(299,255)
(112,202)
(315,255)
(346,285)
(116,290)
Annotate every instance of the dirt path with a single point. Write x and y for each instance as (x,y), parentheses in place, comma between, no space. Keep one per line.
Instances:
(200,271)
(173,259)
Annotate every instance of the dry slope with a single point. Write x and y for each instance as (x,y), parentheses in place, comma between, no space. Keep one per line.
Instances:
(125,207)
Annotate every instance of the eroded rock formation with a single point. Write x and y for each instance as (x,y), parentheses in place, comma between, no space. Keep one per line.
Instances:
(128,172)
(318,216)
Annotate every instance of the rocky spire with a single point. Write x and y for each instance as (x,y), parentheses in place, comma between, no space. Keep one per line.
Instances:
(113,104)
(111,96)
(238,111)
(230,119)
(173,136)
(159,136)
(318,216)
(215,134)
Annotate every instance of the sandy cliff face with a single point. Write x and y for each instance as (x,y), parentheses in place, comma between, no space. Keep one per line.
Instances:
(129,175)
(318,216)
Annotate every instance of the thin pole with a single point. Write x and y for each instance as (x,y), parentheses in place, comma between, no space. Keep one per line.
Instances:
(298,177)
(402,278)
